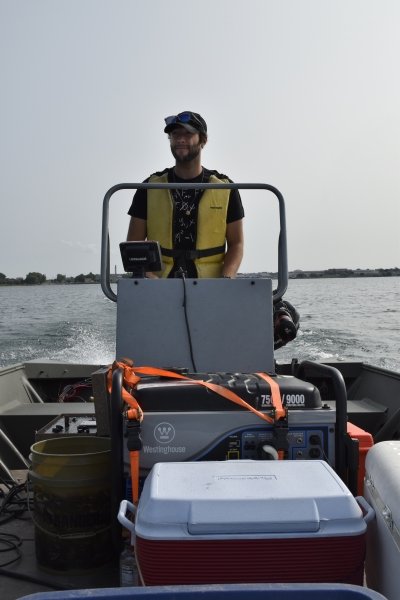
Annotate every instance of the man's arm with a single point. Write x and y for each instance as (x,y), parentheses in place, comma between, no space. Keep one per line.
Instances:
(137,230)
(234,253)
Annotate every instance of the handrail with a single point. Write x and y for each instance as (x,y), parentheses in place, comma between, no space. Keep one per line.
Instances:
(339,387)
(282,244)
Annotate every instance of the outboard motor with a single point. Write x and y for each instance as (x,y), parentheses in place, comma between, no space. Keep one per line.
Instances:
(286,323)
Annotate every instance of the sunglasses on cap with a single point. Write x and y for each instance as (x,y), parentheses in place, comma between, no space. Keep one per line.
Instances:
(184,117)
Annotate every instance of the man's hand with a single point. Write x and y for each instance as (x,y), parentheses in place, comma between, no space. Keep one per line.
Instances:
(234,253)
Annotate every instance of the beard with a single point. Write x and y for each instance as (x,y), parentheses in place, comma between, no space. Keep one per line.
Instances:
(191,155)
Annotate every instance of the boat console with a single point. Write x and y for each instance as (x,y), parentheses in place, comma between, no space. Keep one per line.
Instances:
(218,332)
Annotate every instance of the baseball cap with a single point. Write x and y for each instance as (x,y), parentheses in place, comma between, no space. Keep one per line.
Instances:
(193,122)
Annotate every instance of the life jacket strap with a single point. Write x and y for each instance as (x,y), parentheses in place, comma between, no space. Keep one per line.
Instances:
(192,254)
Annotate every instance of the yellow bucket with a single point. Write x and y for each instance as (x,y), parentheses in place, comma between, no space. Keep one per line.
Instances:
(72,503)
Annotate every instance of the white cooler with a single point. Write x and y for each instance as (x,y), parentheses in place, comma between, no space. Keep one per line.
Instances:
(248,522)
(382,491)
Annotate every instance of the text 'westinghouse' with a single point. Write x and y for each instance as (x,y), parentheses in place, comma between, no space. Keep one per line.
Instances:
(164,449)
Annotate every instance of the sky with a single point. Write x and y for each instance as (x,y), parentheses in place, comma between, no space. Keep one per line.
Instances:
(300,94)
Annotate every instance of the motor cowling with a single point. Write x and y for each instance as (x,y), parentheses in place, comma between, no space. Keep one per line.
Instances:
(286,321)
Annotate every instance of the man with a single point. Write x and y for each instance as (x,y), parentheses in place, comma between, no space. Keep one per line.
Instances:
(192,226)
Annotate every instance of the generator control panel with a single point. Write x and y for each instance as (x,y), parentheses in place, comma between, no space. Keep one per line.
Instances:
(305,442)
(258,444)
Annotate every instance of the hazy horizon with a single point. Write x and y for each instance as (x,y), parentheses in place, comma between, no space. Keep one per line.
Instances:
(240,272)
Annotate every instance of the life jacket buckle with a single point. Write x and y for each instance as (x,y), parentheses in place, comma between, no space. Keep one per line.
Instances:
(191,254)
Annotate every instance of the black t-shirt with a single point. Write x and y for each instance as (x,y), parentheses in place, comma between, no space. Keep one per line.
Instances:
(185,209)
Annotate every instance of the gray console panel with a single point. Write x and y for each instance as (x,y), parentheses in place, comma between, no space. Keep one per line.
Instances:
(230,322)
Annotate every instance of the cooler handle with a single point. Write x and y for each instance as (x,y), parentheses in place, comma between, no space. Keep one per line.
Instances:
(123,507)
(367,507)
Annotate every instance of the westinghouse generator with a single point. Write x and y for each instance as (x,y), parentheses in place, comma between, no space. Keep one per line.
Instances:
(198,383)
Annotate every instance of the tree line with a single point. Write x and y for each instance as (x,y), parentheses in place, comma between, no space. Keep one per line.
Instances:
(36,278)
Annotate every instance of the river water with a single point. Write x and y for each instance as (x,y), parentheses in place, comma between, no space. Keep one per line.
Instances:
(342,318)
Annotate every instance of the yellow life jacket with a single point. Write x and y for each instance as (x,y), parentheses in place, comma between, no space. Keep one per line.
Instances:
(211,227)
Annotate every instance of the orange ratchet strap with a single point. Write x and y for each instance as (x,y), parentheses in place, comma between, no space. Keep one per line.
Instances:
(280,412)
(218,389)
(134,413)
(131,380)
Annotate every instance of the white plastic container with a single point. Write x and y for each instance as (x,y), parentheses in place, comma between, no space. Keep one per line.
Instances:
(248,521)
(382,491)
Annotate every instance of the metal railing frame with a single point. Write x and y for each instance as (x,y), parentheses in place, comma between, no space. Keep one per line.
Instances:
(346,448)
(282,244)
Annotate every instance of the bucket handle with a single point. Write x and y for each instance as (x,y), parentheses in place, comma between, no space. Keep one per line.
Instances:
(125,504)
(367,507)
(68,536)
